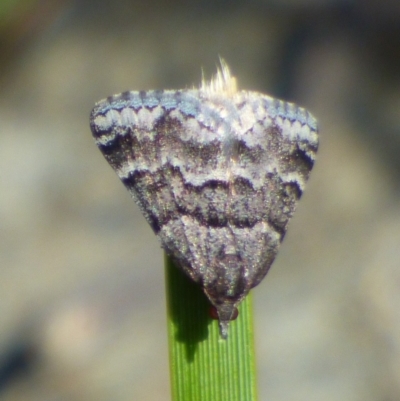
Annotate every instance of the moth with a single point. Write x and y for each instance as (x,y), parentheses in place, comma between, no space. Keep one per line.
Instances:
(217,173)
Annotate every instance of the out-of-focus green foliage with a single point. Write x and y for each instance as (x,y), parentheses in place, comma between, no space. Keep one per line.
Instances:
(10,9)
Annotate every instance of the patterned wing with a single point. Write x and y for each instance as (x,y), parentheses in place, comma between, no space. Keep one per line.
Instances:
(216,176)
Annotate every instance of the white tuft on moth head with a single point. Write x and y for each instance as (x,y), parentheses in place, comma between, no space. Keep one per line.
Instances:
(222,83)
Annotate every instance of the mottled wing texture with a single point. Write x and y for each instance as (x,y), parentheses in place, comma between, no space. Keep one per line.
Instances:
(216,175)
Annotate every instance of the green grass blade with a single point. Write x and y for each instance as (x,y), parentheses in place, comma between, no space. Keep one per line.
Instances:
(203,366)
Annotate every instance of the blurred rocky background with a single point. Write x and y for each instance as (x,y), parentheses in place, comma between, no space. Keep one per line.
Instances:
(82,301)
